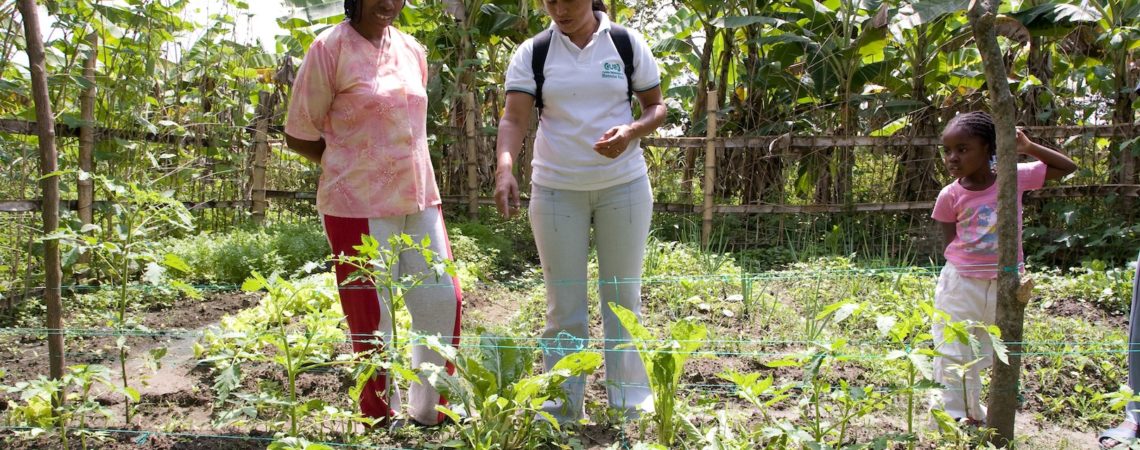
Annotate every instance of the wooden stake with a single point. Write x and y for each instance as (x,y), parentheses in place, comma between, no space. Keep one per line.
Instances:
(265,106)
(1005,384)
(472,156)
(710,169)
(87,140)
(49,164)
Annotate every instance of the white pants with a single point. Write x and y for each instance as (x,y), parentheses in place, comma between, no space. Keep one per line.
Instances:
(560,220)
(963,298)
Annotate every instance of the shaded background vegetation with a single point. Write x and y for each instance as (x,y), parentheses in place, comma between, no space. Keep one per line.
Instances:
(789,67)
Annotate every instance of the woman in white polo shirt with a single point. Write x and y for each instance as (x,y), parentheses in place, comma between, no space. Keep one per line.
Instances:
(588,169)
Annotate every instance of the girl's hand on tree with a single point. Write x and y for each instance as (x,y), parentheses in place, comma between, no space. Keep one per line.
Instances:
(1023,142)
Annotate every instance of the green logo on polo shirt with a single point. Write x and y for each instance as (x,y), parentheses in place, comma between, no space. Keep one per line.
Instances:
(612,70)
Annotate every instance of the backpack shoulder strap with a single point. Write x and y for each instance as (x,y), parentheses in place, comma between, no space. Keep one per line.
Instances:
(538,64)
(624,44)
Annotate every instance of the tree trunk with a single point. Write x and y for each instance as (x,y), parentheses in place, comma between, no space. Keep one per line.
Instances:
(729,178)
(765,174)
(45,122)
(698,107)
(1037,105)
(915,174)
(1005,385)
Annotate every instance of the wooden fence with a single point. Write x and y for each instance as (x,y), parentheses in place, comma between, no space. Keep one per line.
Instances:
(474,146)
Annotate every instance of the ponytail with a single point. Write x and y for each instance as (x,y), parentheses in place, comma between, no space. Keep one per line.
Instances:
(600,5)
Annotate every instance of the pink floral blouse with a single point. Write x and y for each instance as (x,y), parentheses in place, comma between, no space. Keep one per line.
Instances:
(370,105)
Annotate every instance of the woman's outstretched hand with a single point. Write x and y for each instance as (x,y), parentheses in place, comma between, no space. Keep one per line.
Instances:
(506,193)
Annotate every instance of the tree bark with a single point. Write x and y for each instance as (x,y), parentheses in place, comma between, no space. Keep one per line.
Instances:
(1005,383)
(50,184)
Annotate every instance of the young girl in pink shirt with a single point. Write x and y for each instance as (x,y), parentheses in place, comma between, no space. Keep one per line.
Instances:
(967,211)
(359,109)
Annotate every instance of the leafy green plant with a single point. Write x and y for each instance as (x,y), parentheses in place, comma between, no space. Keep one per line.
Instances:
(908,336)
(297,352)
(52,406)
(1110,288)
(295,328)
(664,363)
(831,408)
(139,214)
(763,394)
(496,390)
(232,256)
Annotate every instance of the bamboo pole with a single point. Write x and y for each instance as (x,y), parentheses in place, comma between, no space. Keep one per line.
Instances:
(265,106)
(1010,318)
(50,184)
(710,168)
(87,140)
(472,155)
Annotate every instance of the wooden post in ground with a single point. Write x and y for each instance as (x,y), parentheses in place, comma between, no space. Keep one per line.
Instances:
(710,169)
(472,155)
(87,140)
(266,103)
(1005,384)
(49,163)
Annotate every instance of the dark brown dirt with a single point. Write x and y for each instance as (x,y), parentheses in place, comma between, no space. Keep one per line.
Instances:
(25,357)
(139,440)
(1077,309)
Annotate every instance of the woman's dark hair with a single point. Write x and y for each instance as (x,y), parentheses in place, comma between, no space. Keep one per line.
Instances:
(978,124)
(351,10)
(600,5)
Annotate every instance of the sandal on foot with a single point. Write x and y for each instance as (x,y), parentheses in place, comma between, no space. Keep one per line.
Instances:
(1123,434)
(976,423)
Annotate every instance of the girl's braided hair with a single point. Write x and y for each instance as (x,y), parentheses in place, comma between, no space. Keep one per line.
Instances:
(977,124)
(599,5)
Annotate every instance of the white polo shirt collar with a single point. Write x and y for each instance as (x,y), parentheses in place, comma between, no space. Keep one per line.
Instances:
(603,27)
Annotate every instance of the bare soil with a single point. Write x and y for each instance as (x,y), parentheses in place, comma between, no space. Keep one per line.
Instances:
(178,403)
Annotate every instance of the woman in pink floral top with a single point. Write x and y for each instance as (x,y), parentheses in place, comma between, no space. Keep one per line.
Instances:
(359,109)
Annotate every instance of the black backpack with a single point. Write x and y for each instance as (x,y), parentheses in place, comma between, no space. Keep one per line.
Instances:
(618,35)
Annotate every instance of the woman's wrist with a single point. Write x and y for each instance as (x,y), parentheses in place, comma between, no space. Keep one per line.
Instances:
(501,169)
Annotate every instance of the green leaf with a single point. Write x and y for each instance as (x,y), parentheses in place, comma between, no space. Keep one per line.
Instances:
(449,413)
(579,363)
(743,21)
(176,262)
(630,321)
(924,11)
(132,393)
